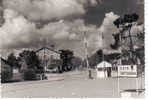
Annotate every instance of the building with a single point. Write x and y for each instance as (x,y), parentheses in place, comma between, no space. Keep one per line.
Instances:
(48,56)
(104,69)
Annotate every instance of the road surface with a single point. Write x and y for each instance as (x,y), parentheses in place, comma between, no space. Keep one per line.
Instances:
(70,85)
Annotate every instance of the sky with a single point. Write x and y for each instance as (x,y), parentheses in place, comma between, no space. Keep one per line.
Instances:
(62,23)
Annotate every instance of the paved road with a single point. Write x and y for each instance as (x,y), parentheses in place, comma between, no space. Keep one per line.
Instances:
(69,85)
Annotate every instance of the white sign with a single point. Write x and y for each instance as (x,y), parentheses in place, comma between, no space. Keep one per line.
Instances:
(127,70)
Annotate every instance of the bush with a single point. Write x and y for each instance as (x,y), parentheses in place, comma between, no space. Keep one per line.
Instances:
(6,76)
(30,74)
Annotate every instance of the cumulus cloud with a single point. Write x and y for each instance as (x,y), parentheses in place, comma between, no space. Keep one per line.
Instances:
(44,10)
(18,32)
(108,28)
(62,30)
(15,30)
(22,18)
(1,15)
(105,31)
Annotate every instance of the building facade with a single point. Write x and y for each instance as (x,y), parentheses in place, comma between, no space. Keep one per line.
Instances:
(48,56)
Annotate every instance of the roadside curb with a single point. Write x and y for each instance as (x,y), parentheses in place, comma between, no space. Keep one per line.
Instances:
(35,81)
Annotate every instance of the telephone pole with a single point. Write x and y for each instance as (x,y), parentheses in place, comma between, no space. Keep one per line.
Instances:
(86,55)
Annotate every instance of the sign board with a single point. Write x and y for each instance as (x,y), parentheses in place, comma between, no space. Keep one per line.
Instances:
(127,70)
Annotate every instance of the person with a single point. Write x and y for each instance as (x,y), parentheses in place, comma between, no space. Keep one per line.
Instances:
(90,74)
(109,72)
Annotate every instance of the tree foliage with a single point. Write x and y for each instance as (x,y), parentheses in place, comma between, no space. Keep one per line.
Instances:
(13,61)
(76,62)
(31,59)
(125,24)
(66,57)
(97,57)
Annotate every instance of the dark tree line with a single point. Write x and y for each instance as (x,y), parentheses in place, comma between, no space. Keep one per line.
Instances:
(33,64)
(32,60)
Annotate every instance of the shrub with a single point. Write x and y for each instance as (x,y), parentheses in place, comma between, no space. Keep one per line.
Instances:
(6,76)
(30,74)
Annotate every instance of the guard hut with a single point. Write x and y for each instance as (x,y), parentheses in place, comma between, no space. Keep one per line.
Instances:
(104,69)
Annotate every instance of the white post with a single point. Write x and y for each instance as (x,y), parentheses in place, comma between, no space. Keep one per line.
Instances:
(113,83)
(137,81)
(137,85)
(118,80)
(141,79)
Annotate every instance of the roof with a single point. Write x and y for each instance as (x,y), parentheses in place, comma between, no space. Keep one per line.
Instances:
(104,64)
(50,49)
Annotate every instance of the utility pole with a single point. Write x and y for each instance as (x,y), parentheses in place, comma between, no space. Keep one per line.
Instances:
(44,57)
(86,54)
